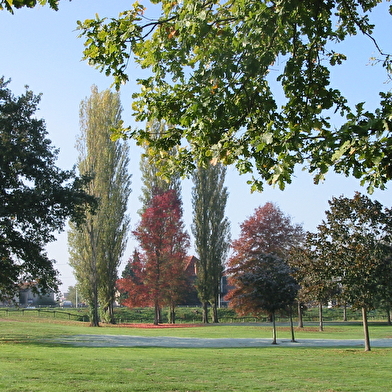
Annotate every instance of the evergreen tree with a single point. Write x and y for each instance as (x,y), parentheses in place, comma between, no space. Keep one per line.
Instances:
(211,230)
(97,248)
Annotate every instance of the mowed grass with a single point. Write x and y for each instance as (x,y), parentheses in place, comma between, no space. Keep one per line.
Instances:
(27,363)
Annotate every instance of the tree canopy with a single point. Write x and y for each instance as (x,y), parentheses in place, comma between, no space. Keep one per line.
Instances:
(11,5)
(96,247)
(248,83)
(162,262)
(36,197)
(211,230)
(267,231)
(354,245)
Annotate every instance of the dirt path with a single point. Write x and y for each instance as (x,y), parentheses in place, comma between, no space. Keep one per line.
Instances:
(162,341)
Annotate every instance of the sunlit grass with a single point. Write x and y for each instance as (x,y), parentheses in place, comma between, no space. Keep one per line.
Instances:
(28,364)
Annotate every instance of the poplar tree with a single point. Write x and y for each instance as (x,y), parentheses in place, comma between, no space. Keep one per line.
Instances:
(211,230)
(153,183)
(96,249)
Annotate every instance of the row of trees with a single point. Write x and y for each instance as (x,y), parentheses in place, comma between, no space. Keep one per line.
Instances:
(349,258)
(157,273)
(347,261)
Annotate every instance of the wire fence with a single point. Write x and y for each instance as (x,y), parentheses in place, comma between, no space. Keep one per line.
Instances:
(42,312)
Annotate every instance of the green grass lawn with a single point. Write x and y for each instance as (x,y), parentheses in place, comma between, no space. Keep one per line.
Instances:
(27,364)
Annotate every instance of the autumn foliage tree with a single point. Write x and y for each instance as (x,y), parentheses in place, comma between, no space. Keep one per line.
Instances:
(259,260)
(163,242)
(268,230)
(267,287)
(131,286)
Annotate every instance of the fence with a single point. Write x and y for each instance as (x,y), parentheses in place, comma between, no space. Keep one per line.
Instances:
(42,312)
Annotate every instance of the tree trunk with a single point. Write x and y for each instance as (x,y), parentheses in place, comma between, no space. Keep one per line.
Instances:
(300,318)
(273,328)
(345,312)
(321,321)
(157,313)
(365,329)
(205,312)
(108,314)
(292,325)
(172,314)
(94,310)
(215,312)
(389,315)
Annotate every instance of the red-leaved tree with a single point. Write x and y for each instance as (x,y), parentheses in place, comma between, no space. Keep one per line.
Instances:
(257,268)
(160,274)
(267,231)
(131,285)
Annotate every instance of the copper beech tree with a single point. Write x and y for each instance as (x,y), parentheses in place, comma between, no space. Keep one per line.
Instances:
(158,273)
(257,268)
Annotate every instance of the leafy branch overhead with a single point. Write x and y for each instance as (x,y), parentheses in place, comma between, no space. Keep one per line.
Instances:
(11,5)
(248,83)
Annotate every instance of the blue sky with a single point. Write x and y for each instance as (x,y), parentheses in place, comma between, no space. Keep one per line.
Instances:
(40,48)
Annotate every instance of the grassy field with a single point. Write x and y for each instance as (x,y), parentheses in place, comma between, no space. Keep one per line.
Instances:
(27,364)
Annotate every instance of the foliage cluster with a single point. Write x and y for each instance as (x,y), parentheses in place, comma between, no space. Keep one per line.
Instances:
(158,274)
(36,197)
(96,247)
(248,83)
(348,259)
(10,5)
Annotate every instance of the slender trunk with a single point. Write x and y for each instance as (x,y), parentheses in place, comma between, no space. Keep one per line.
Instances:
(273,328)
(172,314)
(300,318)
(389,315)
(292,325)
(112,319)
(345,312)
(321,321)
(94,310)
(215,312)
(205,312)
(365,329)
(156,312)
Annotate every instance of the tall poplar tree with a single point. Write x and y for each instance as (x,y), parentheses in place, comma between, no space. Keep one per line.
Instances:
(153,183)
(211,230)
(96,248)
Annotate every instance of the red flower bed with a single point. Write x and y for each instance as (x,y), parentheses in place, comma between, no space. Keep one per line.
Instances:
(145,325)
